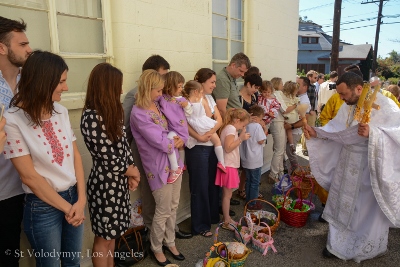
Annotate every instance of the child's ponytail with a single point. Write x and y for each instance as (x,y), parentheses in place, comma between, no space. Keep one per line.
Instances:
(189,87)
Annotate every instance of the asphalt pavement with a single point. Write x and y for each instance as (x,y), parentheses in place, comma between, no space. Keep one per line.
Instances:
(295,246)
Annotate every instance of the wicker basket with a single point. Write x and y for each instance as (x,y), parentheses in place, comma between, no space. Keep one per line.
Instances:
(261,213)
(263,247)
(303,178)
(244,232)
(292,218)
(232,262)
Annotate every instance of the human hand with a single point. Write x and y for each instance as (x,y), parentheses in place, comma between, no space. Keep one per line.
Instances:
(310,130)
(243,135)
(204,138)
(271,114)
(133,182)
(178,142)
(287,126)
(184,104)
(3,136)
(76,214)
(363,129)
(253,118)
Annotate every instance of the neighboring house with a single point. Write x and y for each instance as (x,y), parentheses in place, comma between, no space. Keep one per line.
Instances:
(190,34)
(314,50)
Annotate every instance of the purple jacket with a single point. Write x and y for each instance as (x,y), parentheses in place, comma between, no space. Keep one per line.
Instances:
(177,122)
(150,132)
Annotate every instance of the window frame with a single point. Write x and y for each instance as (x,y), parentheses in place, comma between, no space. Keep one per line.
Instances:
(304,40)
(75,100)
(314,38)
(229,39)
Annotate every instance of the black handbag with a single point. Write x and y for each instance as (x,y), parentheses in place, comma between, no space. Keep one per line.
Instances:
(132,247)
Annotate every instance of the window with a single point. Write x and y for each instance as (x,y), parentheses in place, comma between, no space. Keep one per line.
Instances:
(320,68)
(227,31)
(74,29)
(309,40)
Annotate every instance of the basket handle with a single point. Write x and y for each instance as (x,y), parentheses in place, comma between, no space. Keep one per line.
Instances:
(262,200)
(270,243)
(287,193)
(249,223)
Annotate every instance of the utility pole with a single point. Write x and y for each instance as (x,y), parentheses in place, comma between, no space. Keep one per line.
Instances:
(378,29)
(336,35)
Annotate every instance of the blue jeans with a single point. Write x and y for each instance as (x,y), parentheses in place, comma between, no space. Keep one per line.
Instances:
(51,237)
(253,177)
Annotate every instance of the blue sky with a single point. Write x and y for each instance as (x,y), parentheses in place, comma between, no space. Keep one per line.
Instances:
(321,12)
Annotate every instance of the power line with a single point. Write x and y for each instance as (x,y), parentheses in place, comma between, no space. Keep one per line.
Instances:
(365,26)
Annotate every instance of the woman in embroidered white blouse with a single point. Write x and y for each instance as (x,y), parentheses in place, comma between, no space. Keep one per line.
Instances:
(42,147)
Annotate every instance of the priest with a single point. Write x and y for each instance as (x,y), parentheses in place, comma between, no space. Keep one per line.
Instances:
(358,165)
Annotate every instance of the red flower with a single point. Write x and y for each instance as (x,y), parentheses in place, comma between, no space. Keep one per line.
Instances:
(20,150)
(17,141)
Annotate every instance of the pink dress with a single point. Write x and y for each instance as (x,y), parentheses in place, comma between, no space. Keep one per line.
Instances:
(230,179)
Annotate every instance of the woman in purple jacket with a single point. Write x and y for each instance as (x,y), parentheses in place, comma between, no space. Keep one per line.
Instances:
(150,130)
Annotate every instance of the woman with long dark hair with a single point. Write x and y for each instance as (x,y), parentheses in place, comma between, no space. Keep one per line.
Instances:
(41,145)
(202,162)
(113,171)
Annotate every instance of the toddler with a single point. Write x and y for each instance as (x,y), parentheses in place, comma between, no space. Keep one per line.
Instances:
(200,122)
(290,90)
(175,108)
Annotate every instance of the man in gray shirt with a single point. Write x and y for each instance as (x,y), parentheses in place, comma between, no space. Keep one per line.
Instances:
(158,63)
(226,92)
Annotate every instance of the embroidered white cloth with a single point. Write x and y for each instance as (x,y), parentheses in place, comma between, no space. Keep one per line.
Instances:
(362,178)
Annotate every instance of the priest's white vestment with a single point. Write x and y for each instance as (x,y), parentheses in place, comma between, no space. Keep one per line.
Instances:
(362,176)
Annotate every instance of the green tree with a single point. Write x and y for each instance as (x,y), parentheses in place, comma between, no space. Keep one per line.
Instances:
(389,67)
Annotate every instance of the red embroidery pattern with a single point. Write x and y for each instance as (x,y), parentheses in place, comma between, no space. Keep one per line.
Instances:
(51,137)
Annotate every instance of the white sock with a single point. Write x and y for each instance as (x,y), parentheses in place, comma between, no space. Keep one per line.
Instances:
(173,161)
(182,155)
(219,151)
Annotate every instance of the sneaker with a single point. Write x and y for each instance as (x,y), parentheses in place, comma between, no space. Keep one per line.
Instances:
(221,167)
(174,175)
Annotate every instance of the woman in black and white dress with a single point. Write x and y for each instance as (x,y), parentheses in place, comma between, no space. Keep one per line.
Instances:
(113,171)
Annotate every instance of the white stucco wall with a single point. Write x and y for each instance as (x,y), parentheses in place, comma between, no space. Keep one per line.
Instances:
(272,28)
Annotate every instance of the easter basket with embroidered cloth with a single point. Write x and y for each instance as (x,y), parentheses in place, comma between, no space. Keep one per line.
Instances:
(268,214)
(263,242)
(245,230)
(232,254)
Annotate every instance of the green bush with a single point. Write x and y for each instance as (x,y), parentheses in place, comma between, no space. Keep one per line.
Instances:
(393,80)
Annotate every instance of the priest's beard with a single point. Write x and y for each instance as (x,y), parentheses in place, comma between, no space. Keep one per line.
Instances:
(353,99)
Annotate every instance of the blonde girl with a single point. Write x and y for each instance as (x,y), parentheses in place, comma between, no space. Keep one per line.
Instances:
(235,120)
(277,83)
(290,90)
(199,120)
(175,107)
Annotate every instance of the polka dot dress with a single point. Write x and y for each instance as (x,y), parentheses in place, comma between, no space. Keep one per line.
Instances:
(107,186)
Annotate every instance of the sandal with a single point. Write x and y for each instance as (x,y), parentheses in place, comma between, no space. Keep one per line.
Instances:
(260,195)
(227,226)
(241,194)
(206,233)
